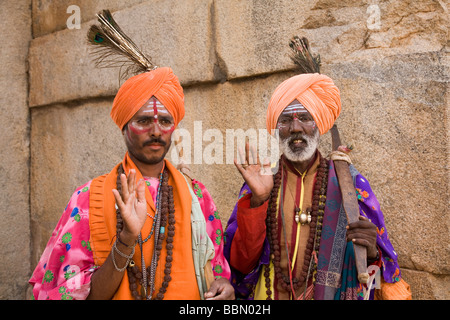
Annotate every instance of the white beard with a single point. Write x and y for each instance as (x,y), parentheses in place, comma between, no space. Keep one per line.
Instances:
(307,153)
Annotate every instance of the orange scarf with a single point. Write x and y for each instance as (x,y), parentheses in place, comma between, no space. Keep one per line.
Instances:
(102,222)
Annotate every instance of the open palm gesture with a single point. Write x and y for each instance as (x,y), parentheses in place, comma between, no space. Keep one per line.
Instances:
(132,205)
(258,176)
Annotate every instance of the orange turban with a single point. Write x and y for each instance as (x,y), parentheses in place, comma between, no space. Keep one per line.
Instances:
(316,92)
(136,91)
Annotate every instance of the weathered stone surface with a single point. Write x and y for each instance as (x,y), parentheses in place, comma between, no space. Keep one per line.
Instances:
(247,41)
(50,16)
(427,286)
(14,143)
(392,113)
(70,145)
(61,68)
(338,30)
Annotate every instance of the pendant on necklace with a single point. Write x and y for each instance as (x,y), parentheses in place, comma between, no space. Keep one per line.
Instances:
(303,217)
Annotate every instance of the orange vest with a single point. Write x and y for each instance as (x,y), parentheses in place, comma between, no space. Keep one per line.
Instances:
(102,222)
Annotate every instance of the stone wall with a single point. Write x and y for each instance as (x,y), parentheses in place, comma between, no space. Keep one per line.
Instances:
(15,17)
(389,59)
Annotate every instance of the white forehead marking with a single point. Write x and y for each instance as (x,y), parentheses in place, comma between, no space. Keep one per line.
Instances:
(295,108)
(150,107)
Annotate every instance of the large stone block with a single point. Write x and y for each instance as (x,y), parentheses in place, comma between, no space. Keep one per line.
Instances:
(427,286)
(255,41)
(14,143)
(61,68)
(247,41)
(392,113)
(50,16)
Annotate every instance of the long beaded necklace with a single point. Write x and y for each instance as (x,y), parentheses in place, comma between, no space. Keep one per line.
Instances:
(165,212)
(316,212)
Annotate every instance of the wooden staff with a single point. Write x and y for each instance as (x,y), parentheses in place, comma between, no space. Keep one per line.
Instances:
(350,204)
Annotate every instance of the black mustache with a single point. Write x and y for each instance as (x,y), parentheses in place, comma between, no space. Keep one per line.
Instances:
(155,140)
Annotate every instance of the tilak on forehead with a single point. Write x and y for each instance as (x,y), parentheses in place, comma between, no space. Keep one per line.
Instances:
(295,109)
(152,114)
(154,106)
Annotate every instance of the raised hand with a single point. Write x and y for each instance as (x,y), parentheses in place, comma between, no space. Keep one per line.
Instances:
(258,177)
(132,205)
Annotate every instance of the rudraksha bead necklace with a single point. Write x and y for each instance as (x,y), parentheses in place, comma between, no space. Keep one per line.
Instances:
(317,210)
(165,212)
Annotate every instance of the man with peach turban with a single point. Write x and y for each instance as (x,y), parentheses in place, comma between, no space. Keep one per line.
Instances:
(288,236)
(144,230)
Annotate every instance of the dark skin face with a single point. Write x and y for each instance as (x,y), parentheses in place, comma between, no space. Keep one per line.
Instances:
(148,137)
(292,123)
(287,126)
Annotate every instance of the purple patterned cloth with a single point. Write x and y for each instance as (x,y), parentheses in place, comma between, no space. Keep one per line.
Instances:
(336,271)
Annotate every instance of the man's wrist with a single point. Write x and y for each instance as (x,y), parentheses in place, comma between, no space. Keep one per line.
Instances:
(256,201)
(127,240)
(374,258)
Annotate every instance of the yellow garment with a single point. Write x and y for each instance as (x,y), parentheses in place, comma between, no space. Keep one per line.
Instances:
(301,237)
(261,290)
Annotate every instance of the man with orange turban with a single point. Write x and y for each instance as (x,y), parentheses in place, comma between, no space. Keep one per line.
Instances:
(144,230)
(288,236)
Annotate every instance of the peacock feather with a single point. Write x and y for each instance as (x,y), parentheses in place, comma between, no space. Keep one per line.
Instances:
(112,48)
(302,57)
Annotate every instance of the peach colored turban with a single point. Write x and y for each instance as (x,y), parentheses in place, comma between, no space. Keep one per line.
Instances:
(316,92)
(136,91)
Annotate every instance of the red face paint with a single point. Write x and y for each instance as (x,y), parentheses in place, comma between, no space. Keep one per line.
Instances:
(145,121)
(137,130)
(155,120)
(155,112)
